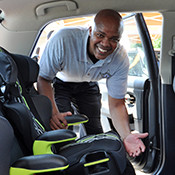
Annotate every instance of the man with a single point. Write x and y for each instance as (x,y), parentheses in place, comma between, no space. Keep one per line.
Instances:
(79,57)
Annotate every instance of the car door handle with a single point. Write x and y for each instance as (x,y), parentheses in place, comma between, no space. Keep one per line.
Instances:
(129,98)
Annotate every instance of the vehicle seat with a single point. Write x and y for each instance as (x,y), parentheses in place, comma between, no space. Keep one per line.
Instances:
(18,130)
(27,75)
(12,156)
(96,154)
(6,139)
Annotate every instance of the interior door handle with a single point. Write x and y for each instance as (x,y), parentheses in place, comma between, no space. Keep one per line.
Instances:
(40,10)
(129,98)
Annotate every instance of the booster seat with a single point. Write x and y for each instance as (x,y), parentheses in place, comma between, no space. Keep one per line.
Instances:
(96,154)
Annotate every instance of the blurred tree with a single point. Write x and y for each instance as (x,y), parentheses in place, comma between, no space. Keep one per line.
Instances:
(157,43)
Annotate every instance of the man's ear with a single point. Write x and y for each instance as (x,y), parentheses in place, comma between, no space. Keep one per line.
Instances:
(90,30)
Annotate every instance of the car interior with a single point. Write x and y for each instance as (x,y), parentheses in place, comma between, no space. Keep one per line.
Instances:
(149,38)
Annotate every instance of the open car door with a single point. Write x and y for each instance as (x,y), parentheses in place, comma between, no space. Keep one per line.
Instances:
(143,92)
(142,98)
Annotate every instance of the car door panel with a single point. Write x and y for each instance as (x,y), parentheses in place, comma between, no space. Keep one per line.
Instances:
(146,93)
(142,97)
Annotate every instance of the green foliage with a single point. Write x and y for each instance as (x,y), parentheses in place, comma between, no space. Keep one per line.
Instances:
(157,43)
(135,45)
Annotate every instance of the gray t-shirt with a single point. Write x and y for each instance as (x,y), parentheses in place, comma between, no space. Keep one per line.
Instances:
(66,57)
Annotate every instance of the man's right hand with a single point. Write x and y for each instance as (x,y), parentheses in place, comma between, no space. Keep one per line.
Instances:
(58,121)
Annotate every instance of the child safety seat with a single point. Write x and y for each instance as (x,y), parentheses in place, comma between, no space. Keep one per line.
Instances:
(102,154)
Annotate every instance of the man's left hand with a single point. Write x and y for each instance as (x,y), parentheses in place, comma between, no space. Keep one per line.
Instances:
(134,145)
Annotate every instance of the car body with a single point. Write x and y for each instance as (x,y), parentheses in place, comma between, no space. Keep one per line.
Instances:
(150,97)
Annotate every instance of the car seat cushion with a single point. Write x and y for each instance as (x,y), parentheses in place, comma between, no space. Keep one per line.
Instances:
(96,143)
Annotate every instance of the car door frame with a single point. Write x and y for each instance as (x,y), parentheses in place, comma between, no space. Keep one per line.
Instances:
(148,105)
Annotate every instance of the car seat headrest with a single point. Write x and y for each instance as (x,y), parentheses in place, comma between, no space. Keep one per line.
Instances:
(8,73)
(27,68)
(8,69)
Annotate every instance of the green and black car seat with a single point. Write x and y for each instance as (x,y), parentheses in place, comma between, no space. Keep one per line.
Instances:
(9,152)
(18,130)
(39,105)
(25,165)
(96,154)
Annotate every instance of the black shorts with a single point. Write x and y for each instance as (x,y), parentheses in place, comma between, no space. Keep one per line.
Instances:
(84,98)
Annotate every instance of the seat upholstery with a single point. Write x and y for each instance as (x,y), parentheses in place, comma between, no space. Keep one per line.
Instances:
(6,143)
(13,161)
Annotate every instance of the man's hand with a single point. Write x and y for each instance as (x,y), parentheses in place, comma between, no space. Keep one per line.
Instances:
(58,121)
(133,145)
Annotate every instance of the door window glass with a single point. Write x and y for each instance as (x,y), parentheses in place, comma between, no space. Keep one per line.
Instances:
(132,42)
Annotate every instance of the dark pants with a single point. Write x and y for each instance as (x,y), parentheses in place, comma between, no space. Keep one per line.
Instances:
(84,98)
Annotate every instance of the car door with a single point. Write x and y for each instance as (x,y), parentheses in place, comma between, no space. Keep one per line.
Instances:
(142,98)
(143,93)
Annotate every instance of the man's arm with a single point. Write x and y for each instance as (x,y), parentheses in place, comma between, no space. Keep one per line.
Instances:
(133,145)
(45,88)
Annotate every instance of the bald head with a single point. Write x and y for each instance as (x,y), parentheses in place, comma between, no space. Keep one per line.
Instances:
(108,13)
(105,33)
(111,18)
